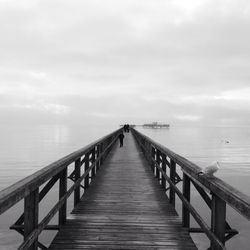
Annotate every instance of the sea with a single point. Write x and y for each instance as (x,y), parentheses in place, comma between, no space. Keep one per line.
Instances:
(24,149)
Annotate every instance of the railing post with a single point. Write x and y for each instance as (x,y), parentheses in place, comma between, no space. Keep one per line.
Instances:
(164,168)
(158,160)
(186,194)
(62,192)
(101,151)
(143,145)
(86,180)
(77,176)
(218,220)
(31,206)
(148,153)
(93,173)
(172,178)
(97,155)
(153,158)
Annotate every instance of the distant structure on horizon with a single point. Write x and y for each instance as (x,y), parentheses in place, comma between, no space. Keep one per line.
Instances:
(156,125)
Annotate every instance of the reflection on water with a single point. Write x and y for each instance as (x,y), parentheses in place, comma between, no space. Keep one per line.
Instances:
(26,149)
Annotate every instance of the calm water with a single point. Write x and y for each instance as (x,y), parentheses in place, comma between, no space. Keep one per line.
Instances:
(24,150)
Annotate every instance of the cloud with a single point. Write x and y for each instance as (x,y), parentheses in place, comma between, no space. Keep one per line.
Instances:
(178,59)
(192,118)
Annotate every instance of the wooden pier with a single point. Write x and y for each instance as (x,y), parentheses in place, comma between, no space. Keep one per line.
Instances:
(124,208)
(128,199)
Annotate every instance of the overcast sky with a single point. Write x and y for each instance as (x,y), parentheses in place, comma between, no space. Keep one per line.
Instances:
(113,61)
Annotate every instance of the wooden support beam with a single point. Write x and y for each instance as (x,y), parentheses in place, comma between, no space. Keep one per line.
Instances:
(172,178)
(158,161)
(186,194)
(101,151)
(153,158)
(20,228)
(62,192)
(164,169)
(218,220)
(77,176)
(31,215)
(86,180)
(97,156)
(93,157)
(42,194)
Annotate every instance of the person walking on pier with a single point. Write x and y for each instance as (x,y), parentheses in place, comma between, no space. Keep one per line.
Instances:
(121,137)
(126,128)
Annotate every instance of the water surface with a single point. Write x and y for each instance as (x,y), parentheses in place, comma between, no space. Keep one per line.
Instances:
(26,149)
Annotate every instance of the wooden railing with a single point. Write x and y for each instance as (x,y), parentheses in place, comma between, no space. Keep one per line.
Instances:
(213,191)
(86,162)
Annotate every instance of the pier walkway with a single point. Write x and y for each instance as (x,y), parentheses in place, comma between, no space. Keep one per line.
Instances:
(124,208)
(128,202)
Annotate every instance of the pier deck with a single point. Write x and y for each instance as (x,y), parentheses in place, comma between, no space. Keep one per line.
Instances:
(124,208)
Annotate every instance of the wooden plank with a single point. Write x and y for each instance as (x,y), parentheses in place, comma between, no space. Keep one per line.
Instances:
(124,208)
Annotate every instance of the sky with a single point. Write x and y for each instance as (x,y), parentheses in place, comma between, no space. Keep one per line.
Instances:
(134,61)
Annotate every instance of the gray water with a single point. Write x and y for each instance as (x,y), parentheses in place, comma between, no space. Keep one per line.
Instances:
(26,149)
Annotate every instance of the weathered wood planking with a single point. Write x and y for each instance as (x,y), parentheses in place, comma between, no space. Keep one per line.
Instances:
(124,208)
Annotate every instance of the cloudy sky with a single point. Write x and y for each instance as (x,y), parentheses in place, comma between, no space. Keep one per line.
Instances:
(115,61)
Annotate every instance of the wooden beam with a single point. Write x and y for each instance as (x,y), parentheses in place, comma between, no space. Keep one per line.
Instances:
(86,167)
(218,220)
(158,160)
(186,194)
(172,178)
(77,176)
(164,169)
(153,159)
(62,192)
(97,155)
(42,194)
(31,215)
(93,157)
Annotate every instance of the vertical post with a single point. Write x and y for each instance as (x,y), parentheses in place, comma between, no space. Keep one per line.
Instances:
(218,219)
(158,160)
(97,156)
(77,176)
(93,173)
(152,159)
(164,164)
(147,153)
(144,146)
(172,178)
(186,194)
(101,151)
(62,192)
(86,180)
(31,203)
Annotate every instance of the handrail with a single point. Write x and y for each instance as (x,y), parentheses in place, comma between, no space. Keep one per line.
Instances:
(235,198)
(92,156)
(11,195)
(222,193)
